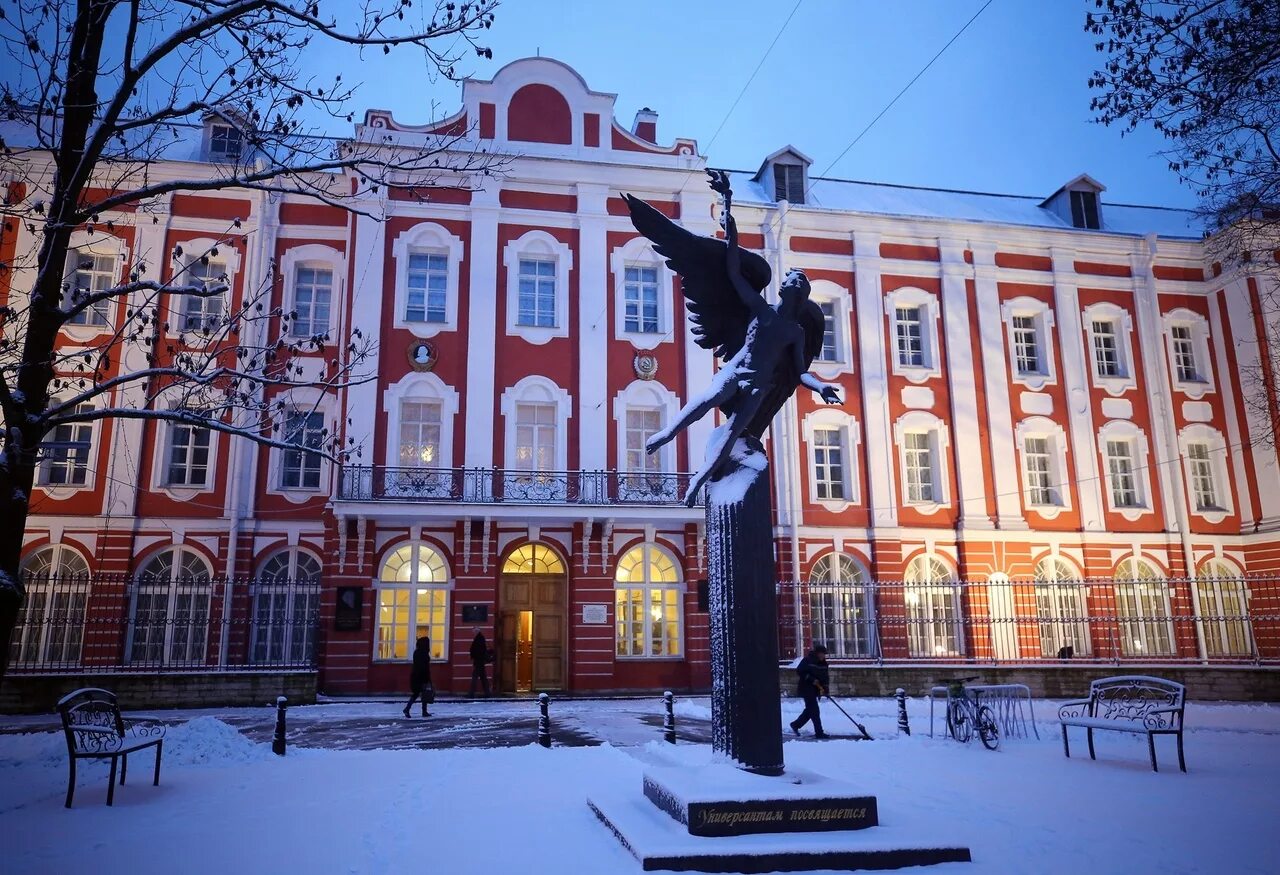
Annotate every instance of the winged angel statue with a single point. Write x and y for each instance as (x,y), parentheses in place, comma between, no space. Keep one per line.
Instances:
(766,350)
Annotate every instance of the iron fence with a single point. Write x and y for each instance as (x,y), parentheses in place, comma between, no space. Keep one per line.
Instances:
(1214,620)
(498,485)
(115,623)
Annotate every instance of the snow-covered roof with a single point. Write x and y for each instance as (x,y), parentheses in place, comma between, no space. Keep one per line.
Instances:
(970,206)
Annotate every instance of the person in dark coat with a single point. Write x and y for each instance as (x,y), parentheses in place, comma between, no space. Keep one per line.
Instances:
(813,682)
(420,677)
(479,659)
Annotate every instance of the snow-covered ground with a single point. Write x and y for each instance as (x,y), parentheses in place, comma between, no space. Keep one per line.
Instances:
(226,804)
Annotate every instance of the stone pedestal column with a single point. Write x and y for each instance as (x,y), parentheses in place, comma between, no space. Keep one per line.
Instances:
(746,709)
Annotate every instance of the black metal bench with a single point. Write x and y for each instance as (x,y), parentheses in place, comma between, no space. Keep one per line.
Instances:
(1129,703)
(95,729)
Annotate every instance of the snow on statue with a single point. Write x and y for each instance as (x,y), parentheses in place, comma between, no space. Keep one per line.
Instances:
(767,350)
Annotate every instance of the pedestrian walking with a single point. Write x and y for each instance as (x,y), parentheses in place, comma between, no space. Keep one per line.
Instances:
(420,677)
(812,684)
(479,659)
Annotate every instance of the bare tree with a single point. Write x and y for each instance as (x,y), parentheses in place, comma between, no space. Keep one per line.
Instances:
(103,104)
(1206,75)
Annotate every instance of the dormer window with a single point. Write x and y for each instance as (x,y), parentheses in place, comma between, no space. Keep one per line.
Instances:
(1084,210)
(788,183)
(225,142)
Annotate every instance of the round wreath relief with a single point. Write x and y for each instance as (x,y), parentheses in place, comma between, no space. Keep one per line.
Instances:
(646,365)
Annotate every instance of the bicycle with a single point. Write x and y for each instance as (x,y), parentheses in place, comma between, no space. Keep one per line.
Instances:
(965,713)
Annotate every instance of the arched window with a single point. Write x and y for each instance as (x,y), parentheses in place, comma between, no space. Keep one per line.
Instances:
(840,610)
(933,608)
(286,604)
(413,600)
(533,559)
(50,625)
(1223,602)
(647,605)
(1142,610)
(171,609)
(1061,610)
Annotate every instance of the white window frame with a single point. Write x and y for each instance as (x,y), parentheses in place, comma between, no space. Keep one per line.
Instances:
(910,296)
(543,246)
(171,589)
(222,157)
(1062,607)
(1200,433)
(536,389)
(923,596)
(828,292)
(1147,626)
(1123,430)
(424,387)
(638,252)
(98,244)
(1043,319)
(918,422)
(1214,577)
(66,490)
(834,604)
(61,594)
(412,586)
(160,466)
(229,255)
(650,395)
(434,239)
(308,400)
(291,650)
(851,442)
(1198,327)
(314,255)
(647,587)
(1123,323)
(1059,475)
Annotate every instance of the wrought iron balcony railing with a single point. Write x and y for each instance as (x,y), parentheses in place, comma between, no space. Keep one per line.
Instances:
(506,485)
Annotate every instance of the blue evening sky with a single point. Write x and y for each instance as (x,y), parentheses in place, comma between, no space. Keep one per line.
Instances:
(1005,109)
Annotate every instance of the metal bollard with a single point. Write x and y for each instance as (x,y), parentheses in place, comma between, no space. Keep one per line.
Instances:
(277,743)
(903,726)
(669,719)
(544,722)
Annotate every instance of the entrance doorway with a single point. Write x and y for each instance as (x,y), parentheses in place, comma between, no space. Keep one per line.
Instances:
(531,621)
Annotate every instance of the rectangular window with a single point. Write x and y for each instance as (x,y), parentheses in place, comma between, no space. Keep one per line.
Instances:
(910,337)
(648,620)
(188,458)
(1106,351)
(300,468)
(788,183)
(1184,355)
(1026,345)
(406,614)
(1124,488)
(1202,486)
(830,352)
(919,465)
(419,434)
(537,304)
(64,454)
(225,143)
(1040,489)
(535,437)
(828,463)
(427,281)
(312,296)
(87,274)
(642,424)
(1084,210)
(201,313)
(640,298)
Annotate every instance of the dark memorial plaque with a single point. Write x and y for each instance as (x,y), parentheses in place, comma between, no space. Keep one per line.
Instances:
(735,817)
(475,613)
(348,614)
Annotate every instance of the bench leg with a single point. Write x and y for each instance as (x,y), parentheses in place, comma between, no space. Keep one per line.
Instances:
(111,783)
(1066,746)
(1182,764)
(1092,755)
(156,781)
(71,783)
(1151,745)
(124,768)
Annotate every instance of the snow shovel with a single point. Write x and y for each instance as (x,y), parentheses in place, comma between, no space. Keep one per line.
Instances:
(865,735)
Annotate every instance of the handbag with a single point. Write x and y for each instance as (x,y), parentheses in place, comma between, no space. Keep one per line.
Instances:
(429,694)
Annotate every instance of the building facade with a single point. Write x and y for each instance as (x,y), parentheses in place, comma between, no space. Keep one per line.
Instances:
(1044,451)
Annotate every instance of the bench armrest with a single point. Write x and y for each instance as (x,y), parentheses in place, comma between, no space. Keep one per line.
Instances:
(145,727)
(1075,708)
(1156,722)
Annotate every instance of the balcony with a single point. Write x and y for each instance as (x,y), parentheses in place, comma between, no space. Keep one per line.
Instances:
(497,486)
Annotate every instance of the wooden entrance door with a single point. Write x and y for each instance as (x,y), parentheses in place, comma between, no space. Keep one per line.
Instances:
(541,597)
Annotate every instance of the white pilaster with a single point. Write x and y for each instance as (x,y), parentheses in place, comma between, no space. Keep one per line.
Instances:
(1075,378)
(699,364)
(868,297)
(995,369)
(482,395)
(368,297)
(593,319)
(1235,438)
(1266,468)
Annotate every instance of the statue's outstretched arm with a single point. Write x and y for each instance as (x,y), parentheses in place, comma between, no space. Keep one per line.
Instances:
(829,391)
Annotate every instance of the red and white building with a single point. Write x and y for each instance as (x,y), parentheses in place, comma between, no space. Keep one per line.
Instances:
(1037,389)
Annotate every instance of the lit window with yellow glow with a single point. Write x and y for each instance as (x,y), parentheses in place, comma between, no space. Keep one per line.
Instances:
(533,559)
(413,601)
(647,604)
(419,434)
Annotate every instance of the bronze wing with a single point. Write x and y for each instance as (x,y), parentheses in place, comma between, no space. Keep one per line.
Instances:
(719,317)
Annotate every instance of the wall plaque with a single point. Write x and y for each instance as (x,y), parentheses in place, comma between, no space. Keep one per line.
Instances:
(475,613)
(348,616)
(595,614)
